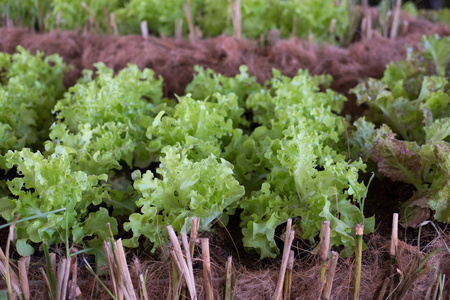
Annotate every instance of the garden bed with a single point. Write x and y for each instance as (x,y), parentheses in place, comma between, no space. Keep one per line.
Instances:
(174,60)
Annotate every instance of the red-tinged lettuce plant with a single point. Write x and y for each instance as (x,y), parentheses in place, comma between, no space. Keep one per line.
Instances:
(413,94)
(427,167)
(413,99)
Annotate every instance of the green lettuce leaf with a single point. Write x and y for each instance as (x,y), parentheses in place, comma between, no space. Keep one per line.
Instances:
(182,189)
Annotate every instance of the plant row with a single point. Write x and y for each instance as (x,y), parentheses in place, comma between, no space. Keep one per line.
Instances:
(112,147)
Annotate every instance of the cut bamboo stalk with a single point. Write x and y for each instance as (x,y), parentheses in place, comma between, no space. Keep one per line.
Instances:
(23,265)
(369,27)
(187,252)
(11,280)
(228,278)
(332,26)
(73,280)
(383,289)
(178,30)
(124,271)
(395,20)
(140,275)
(330,275)
(66,278)
(144,29)
(238,18)
(188,257)
(187,12)
(207,276)
(394,236)
(295,27)
(288,278)
(92,20)
(112,20)
(195,224)
(107,249)
(143,286)
(53,262)
(405,25)
(323,252)
(364,28)
(359,231)
(58,19)
(60,279)
(310,40)
(78,293)
(184,269)
(198,32)
(176,277)
(393,253)
(47,283)
(289,237)
(63,271)
(365,21)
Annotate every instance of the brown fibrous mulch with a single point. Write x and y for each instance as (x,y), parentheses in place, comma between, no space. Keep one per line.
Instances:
(175,59)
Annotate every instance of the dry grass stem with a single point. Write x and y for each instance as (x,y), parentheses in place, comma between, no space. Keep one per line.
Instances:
(182,263)
(195,224)
(144,29)
(112,20)
(289,238)
(228,284)
(326,294)
(23,266)
(178,30)
(395,20)
(207,275)
(288,278)
(359,231)
(187,13)
(323,251)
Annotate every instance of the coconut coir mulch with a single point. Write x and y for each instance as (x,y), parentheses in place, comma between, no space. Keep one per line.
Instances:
(261,284)
(174,60)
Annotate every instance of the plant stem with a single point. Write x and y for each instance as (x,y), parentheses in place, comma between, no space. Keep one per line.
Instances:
(288,278)
(289,237)
(207,277)
(359,231)
(228,278)
(330,275)
(323,252)
(393,251)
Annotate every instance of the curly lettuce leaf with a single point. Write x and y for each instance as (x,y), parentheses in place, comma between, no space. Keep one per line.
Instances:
(427,167)
(29,88)
(197,125)
(438,49)
(47,184)
(182,189)
(102,121)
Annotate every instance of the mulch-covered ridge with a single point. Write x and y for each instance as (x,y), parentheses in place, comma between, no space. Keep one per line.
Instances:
(175,59)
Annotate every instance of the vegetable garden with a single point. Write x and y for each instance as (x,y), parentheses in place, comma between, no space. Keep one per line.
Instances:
(283,147)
